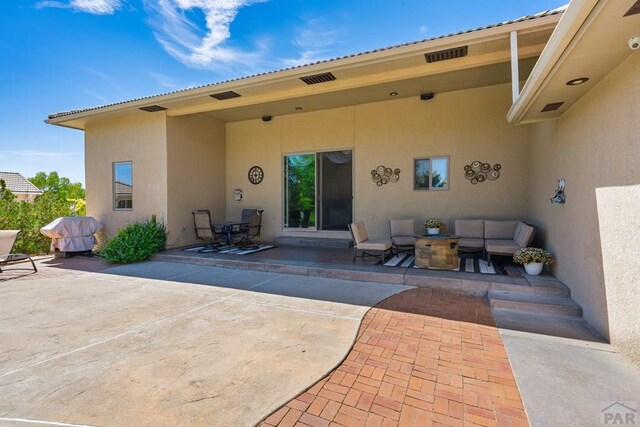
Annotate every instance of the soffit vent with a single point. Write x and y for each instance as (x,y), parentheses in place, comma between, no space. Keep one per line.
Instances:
(318,78)
(445,55)
(152,108)
(225,95)
(552,107)
(634,10)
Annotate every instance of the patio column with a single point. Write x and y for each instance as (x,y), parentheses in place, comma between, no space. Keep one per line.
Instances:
(515,78)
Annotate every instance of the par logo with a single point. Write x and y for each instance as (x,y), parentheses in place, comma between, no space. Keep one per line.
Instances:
(619,414)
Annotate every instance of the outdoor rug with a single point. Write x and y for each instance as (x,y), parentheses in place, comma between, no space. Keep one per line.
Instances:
(231,250)
(465,264)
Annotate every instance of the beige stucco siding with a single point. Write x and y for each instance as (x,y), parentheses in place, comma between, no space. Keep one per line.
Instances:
(140,139)
(595,236)
(465,125)
(195,174)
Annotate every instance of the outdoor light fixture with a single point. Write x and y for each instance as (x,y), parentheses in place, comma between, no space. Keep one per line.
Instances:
(298,108)
(426,96)
(393,93)
(578,81)
(266,118)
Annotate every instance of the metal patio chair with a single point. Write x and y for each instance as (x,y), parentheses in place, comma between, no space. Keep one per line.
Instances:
(7,240)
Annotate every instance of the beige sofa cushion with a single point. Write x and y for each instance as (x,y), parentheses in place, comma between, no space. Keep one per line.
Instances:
(501,246)
(524,235)
(473,228)
(374,245)
(403,241)
(468,242)
(402,227)
(500,229)
(359,232)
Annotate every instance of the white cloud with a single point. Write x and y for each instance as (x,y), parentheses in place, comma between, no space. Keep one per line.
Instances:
(176,29)
(315,42)
(163,80)
(423,29)
(96,7)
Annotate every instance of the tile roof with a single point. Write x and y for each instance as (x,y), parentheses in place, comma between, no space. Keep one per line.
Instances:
(367,52)
(18,184)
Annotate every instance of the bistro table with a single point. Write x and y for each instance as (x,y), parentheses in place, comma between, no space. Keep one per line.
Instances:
(230,227)
(437,251)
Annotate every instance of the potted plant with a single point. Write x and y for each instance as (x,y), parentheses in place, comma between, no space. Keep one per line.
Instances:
(533,259)
(433,226)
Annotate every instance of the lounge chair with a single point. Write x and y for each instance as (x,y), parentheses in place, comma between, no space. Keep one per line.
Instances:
(403,235)
(361,242)
(248,233)
(7,240)
(205,230)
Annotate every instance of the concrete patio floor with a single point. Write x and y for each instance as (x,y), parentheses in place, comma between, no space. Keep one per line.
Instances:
(163,343)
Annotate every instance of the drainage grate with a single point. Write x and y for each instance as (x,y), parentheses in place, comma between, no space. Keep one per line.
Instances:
(444,55)
(552,107)
(225,95)
(152,108)
(318,78)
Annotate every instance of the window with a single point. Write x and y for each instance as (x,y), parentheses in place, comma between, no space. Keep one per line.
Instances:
(431,173)
(122,186)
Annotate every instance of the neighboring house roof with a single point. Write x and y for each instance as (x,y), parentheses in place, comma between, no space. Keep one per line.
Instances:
(546,13)
(18,184)
(122,188)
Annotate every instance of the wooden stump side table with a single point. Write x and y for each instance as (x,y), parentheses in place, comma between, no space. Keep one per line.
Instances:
(437,251)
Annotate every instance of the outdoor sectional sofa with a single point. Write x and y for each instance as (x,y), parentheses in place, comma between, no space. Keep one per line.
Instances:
(493,237)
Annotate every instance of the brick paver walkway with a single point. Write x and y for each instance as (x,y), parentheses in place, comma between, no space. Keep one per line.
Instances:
(422,357)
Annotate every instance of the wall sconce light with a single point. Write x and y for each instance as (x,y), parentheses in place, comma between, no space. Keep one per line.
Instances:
(559,197)
(238,195)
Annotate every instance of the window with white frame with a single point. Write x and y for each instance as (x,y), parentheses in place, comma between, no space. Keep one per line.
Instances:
(431,173)
(122,186)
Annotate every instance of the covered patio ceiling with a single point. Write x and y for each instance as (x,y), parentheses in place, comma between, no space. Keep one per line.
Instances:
(356,79)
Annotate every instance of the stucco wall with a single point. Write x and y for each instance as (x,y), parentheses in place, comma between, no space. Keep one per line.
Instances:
(595,236)
(195,174)
(465,125)
(140,139)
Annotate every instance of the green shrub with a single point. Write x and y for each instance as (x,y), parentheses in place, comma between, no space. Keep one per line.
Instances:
(136,242)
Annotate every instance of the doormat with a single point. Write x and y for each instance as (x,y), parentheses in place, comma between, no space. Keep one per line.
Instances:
(465,264)
(231,250)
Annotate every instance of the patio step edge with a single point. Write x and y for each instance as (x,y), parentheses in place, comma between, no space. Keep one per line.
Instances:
(316,242)
(559,305)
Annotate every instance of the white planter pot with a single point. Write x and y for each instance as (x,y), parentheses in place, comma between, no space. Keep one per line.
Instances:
(433,231)
(534,268)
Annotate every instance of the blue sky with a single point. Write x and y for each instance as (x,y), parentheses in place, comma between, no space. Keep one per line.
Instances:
(64,54)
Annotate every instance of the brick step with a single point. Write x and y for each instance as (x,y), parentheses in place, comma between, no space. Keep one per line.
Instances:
(318,242)
(559,305)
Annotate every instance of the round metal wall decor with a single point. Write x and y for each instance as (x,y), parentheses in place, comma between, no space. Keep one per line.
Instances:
(477,172)
(256,175)
(383,175)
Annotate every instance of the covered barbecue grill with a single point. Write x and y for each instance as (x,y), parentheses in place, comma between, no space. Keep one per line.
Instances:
(72,233)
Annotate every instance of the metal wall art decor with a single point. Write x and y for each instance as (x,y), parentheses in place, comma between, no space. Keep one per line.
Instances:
(255,175)
(480,172)
(383,175)
(559,197)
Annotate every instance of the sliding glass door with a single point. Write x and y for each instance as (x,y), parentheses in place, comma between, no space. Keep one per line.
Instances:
(318,190)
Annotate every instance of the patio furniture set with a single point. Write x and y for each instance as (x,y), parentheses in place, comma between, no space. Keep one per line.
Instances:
(7,240)
(218,234)
(440,251)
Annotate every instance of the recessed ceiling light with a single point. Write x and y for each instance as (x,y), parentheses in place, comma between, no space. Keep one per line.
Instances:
(578,81)
(393,93)
(298,108)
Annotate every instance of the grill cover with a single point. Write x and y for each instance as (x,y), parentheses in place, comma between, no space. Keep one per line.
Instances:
(72,233)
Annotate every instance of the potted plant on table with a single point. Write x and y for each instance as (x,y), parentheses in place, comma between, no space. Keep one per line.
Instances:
(533,259)
(433,226)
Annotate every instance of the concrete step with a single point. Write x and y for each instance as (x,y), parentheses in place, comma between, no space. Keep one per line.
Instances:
(318,242)
(559,305)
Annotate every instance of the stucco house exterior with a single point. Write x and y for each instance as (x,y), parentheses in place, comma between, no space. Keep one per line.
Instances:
(20,186)
(550,96)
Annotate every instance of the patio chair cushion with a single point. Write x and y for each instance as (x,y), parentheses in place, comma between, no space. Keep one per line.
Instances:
(524,234)
(402,227)
(359,232)
(501,246)
(467,242)
(500,229)
(473,228)
(374,245)
(403,241)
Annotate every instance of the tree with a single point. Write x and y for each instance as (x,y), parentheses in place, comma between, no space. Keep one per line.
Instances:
(63,189)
